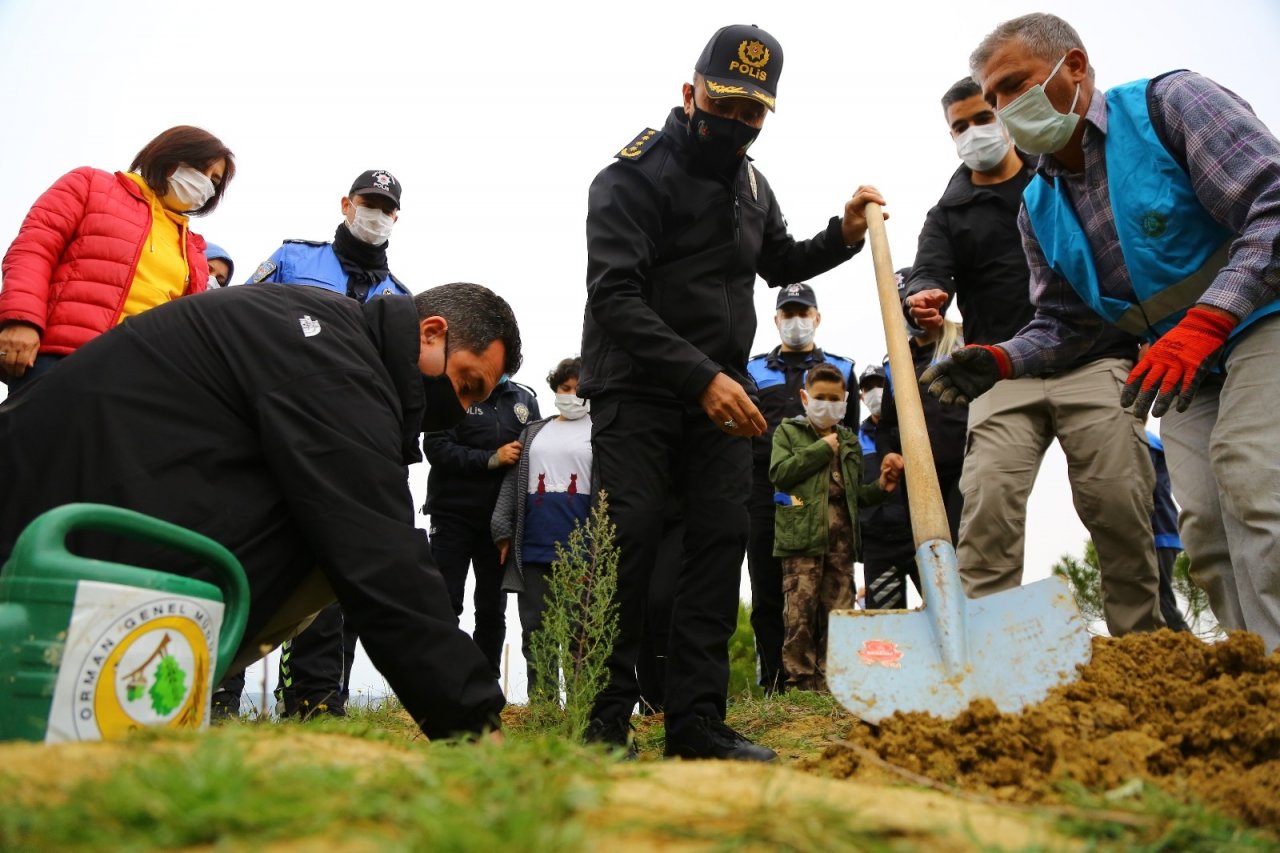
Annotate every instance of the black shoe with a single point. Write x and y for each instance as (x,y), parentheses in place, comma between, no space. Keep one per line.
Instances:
(615,733)
(224,706)
(707,737)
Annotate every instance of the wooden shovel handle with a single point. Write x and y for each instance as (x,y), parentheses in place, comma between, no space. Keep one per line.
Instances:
(928,516)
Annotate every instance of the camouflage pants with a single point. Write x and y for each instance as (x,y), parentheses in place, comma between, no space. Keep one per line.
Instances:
(811,588)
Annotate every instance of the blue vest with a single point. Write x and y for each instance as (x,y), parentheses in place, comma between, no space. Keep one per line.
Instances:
(867,441)
(767,375)
(1172,247)
(316,264)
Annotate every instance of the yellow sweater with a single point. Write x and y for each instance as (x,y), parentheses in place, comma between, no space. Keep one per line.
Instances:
(162,272)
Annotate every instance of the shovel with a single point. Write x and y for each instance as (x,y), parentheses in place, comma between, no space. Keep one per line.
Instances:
(1010,647)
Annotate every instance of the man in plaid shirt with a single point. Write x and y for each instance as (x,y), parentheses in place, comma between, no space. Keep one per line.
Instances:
(1156,209)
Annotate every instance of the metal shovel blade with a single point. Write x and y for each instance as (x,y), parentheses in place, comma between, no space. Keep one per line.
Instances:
(1010,647)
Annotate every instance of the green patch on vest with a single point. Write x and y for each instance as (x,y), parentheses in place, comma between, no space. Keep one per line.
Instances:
(1154,223)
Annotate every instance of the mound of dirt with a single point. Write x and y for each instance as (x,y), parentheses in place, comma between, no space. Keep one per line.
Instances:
(1163,707)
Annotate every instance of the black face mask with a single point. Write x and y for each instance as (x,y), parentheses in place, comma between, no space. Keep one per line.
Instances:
(720,142)
(444,409)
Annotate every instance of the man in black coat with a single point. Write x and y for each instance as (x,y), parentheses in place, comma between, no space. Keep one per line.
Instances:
(280,421)
(677,231)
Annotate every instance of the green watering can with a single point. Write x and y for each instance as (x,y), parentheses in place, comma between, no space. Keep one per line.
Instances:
(90,650)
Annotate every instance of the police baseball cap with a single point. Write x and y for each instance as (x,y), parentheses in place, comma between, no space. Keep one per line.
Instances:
(797,294)
(376,182)
(741,61)
(872,372)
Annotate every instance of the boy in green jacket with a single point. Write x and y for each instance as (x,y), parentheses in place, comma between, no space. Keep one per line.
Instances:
(816,468)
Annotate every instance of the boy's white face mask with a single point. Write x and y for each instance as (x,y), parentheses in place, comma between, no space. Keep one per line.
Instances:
(824,414)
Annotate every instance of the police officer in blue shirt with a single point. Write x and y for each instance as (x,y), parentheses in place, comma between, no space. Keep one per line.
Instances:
(315,666)
(355,263)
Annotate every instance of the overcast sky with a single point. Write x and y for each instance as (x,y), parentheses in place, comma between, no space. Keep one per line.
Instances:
(495,117)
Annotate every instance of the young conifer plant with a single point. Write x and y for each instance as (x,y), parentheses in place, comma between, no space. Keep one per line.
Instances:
(579,626)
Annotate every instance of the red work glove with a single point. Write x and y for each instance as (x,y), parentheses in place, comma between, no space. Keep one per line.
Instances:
(970,372)
(1177,363)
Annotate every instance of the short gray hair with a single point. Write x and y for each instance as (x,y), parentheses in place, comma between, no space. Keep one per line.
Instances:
(1046,36)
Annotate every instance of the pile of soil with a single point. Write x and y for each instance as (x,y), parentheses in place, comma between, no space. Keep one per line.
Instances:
(1165,708)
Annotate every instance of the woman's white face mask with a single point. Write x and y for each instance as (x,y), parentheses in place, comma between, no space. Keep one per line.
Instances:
(190,189)
(571,406)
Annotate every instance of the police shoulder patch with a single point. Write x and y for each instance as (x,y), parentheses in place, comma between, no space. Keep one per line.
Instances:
(639,146)
(264,269)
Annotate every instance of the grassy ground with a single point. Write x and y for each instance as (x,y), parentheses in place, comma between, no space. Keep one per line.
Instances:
(372,782)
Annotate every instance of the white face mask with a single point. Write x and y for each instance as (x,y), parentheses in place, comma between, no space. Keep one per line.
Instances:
(983,146)
(873,397)
(190,189)
(1036,127)
(824,414)
(796,331)
(371,225)
(572,406)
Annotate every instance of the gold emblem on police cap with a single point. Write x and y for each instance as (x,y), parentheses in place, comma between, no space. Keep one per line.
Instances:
(754,53)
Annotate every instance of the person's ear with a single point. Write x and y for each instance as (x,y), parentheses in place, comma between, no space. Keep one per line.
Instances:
(1077,65)
(432,328)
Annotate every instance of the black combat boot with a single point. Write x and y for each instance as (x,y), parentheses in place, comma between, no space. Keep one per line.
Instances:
(708,737)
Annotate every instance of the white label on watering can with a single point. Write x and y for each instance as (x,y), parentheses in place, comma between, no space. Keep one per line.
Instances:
(134,657)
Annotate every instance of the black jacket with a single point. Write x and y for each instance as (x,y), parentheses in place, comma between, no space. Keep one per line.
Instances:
(673,251)
(971,248)
(461,483)
(947,425)
(886,529)
(278,421)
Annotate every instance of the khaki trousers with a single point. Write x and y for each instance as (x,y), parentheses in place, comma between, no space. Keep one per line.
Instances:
(1224,464)
(1108,466)
(294,616)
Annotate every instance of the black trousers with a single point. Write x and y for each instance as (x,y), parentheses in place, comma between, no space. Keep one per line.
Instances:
(887,566)
(459,543)
(651,665)
(640,449)
(766,598)
(315,667)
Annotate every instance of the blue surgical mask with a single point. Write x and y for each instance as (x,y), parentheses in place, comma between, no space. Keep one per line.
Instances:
(1034,124)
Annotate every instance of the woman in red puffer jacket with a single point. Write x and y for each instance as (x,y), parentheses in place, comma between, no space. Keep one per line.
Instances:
(99,247)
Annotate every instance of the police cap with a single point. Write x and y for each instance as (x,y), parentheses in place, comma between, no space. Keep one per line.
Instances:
(797,294)
(741,61)
(376,182)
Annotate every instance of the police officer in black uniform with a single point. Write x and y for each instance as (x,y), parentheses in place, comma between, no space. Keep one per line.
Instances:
(467,466)
(779,376)
(677,231)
